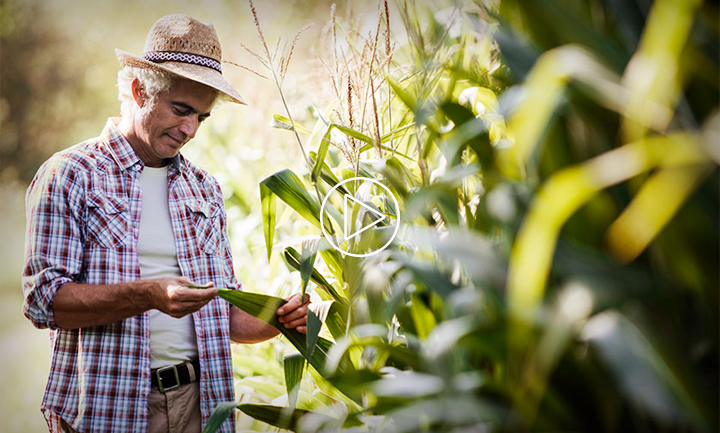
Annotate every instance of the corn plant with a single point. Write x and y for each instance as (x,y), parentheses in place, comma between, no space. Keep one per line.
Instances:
(556,167)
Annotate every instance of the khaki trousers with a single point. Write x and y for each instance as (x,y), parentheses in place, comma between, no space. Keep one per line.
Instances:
(176,411)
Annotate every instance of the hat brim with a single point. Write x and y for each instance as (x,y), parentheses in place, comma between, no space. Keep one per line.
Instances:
(201,74)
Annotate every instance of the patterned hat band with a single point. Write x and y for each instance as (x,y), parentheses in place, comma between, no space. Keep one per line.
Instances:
(174,56)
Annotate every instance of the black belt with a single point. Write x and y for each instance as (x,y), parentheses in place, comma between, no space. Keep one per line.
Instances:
(169,378)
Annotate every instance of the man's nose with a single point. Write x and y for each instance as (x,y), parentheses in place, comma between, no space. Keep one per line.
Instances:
(190,126)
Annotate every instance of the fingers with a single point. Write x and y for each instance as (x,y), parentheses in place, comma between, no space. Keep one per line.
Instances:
(199,286)
(188,287)
(295,323)
(180,298)
(293,303)
(294,313)
(186,295)
(197,294)
(179,305)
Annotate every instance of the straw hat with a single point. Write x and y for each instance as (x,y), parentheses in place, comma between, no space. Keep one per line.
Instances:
(183,46)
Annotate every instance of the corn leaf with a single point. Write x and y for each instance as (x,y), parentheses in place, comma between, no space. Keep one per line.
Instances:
(330,256)
(293,258)
(220,414)
(404,96)
(336,319)
(282,122)
(396,132)
(422,317)
(307,261)
(281,417)
(321,154)
(389,149)
(267,199)
(655,204)
(569,189)
(264,307)
(631,359)
(313,330)
(288,186)
(327,175)
(474,131)
(353,133)
(294,365)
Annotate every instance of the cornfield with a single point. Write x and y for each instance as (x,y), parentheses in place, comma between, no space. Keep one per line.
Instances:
(556,264)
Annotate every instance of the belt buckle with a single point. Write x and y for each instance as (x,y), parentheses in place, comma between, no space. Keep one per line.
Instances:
(161,385)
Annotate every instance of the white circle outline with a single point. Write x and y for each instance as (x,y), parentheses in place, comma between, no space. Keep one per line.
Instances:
(322,210)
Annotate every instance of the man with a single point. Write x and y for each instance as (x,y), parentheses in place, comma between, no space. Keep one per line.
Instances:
(126,243)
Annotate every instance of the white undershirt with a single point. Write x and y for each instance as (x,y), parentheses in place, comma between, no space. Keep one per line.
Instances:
(172,341)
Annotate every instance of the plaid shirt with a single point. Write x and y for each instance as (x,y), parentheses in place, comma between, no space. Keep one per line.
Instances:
(83,214)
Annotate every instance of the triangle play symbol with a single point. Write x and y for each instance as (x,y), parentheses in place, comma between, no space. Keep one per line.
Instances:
(348,215)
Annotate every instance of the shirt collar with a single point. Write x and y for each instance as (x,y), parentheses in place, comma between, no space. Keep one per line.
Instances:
(123,153)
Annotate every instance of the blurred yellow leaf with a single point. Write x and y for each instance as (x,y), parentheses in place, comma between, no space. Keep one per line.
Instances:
(660,198)
(569,189)
(652,75)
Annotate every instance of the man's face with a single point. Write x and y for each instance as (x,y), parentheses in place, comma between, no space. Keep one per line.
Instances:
(171,120)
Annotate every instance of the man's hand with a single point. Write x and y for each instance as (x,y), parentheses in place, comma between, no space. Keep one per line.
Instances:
(294,313)
(245,328)
(174,297)
(77,305)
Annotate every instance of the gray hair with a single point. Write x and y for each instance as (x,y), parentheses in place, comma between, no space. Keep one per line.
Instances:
(153,82)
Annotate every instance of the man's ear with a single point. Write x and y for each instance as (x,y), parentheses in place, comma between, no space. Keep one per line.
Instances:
(138,92)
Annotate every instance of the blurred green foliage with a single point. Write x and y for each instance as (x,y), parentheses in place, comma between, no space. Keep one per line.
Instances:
(556,167)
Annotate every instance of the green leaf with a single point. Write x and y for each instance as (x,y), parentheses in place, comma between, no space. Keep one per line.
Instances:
(294,364)
(389,149)
(267,199)
(354,383)
(423,318)
(396,132)
(307,261)
(518,53)
(293,258)
(353,133)
(336,319)
(404,96)
(632,359)
(288,186)
(282,122)
(313,330)
(327,175)
(474,253)
(399,177)
(264,307)
(220,414)
(281,417)
(322,153)
(472,131)
(330,256)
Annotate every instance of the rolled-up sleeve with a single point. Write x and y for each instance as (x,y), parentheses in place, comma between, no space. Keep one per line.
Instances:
(53,239)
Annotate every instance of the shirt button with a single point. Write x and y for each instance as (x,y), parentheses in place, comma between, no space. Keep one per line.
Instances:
(134,224)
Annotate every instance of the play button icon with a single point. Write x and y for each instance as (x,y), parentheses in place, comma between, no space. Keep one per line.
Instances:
(347,213)
(364,215)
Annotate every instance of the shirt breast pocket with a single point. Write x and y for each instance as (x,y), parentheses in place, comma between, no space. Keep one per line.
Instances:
(205,218)
(108,220)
